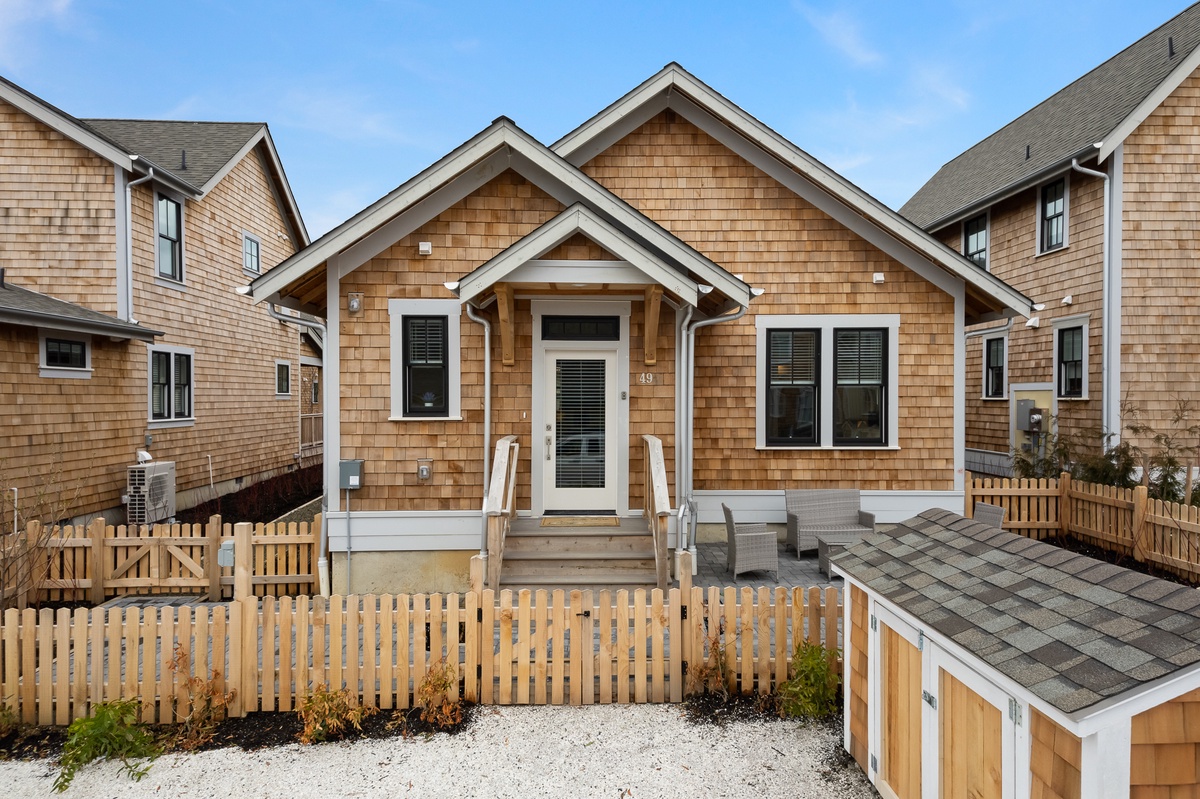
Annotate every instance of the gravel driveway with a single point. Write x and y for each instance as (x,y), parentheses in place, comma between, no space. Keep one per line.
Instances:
(618,752)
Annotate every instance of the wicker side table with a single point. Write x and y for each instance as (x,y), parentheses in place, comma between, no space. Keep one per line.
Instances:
(825,548)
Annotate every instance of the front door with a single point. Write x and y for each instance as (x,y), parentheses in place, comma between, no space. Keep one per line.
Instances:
(580,429)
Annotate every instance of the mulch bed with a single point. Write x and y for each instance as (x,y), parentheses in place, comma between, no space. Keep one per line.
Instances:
(1079,547)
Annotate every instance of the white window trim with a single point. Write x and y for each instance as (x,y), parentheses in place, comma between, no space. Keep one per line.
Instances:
(72,373)
(248,236)
(983,359)
(159,277)
(160,424)
(288,364)
(1079,320)
(452,310)
(1037,210)
(987,226)
(827,324)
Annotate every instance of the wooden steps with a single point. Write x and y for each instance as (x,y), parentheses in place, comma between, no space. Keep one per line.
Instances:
(582,557)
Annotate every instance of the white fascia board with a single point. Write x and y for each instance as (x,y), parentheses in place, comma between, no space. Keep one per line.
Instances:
(1153,100)
(232,162)
(64,124)
(615,122)
(378,213)
(576,219)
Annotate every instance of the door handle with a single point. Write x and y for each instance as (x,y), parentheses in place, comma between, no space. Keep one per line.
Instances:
(548,446)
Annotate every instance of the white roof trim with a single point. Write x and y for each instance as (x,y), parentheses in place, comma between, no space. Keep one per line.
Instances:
(576,219)
(1153,100)
(701,96)
(288,200)
(65,124)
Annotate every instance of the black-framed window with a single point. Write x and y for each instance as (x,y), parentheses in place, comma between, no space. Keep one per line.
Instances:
(426,374)
(1070,362)
(975,240)
(859,386)
(793,387)
(170,385)
(993,368)
(283,378)
(170,238)
(581,328)
(316,389)
(66,353)
(1054,215)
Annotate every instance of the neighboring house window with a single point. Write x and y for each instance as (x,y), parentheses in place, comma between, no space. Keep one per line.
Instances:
(860,386)
(1070,362)
(66,355)
(975,240)
(426,374)
(826,381)
(170,384)
(993,368)
(793,385)
(251,253)
(1052,216)
(283,379)
(168,222)
(316,389)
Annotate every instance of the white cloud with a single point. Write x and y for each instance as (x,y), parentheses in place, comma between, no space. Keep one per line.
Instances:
(341,114)
(16,16)
(841,31)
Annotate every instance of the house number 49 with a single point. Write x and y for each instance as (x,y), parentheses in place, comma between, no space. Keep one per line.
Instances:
(646,378)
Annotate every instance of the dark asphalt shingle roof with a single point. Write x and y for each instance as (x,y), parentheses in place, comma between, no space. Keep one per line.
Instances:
(209,145)
(22,306)
(1071,629)
(1066,125)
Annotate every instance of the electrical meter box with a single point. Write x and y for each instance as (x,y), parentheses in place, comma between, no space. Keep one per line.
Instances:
(1024,406)
(350,474)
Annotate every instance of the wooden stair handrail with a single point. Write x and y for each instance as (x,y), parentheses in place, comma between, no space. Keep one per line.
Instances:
(498,507)
(658,505)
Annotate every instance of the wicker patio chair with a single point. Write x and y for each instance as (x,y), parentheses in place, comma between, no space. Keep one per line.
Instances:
(834,512)
(752,547)
(989,514)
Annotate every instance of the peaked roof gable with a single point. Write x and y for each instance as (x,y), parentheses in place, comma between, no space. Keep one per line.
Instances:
(499,147)
(675,88)
(1102,107)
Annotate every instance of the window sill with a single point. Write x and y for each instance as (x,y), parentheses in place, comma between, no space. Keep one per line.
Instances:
(57,372)
(165,424)
(833,447)
(169,283)
(251,273)
(995,399)
(1072,399)
(283,396)
(1063,248)
(424,418)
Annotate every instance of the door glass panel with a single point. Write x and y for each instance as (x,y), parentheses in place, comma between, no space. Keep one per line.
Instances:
(579,447)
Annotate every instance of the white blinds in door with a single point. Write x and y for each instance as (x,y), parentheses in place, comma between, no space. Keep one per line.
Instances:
(580,418)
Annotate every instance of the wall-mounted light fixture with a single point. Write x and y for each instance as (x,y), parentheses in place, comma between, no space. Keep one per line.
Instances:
(354,302)
(424,248)
(1067,300)
(877,277)
(424,468)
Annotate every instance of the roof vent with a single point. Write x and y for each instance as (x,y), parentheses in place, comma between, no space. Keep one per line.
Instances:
(182,160)
(1170,47)
(2,277)
(1026,152)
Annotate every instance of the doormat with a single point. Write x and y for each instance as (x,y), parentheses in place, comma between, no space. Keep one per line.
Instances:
(580,521)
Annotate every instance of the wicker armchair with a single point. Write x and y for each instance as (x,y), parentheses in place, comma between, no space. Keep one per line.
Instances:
(752,547)
(835,513)
(989,514)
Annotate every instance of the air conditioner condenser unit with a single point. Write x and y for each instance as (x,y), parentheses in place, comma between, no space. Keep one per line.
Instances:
(151,490)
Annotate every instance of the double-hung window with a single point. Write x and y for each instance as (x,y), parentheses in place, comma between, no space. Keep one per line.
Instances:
(170,384)
(975,240)
(1052,216)
(1070,362)
(826,381)
(168,224)
(425,359)
(993,368)
(251,254)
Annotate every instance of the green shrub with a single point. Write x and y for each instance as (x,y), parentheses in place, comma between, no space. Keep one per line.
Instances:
(8,721)
(327,714)
(112,732)
(812,689)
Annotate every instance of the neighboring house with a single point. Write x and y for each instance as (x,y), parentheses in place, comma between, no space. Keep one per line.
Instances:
(1087,203)
(121,245)
(673,267)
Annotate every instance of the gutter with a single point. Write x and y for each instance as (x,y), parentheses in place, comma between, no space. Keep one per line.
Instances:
(128,265)
(1113,432)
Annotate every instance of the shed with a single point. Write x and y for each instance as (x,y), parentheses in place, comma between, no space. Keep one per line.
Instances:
(980,663)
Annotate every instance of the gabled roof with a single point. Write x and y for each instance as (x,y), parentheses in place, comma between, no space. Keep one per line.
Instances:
(20,306)
(1102,107)
(675,88)
(1072,630)
(498,148)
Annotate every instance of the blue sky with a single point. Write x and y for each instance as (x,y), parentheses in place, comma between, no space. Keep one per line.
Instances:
(362,95)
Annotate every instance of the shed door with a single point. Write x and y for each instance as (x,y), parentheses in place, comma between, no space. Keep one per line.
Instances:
(900,708)
(976,734)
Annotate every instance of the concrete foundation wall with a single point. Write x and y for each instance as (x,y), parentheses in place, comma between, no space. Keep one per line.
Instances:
(401,572)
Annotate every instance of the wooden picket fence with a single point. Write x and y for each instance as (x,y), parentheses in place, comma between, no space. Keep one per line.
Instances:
(529,648)
(1121,520)
(62,565)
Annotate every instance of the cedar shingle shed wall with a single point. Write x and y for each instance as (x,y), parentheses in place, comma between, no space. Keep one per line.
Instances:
(1165,756)
(751,225)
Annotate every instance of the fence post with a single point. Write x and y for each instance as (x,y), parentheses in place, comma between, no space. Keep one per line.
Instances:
(1140,495)
(683,563)
(968,494)
(35,563)
(478,565)
(97,562)
(212,543)
(243,560)
(1065,513)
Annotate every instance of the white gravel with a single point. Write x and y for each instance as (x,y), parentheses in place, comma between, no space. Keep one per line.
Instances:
(619,752)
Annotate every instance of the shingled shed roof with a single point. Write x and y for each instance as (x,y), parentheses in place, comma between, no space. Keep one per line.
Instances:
(1072,630)
(24,307)
(1097,108)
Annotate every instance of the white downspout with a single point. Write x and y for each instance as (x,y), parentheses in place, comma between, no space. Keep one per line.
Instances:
(487,415)
(128,265)
(1113,432)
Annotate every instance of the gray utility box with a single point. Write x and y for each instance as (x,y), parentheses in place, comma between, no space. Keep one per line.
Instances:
(350,474)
